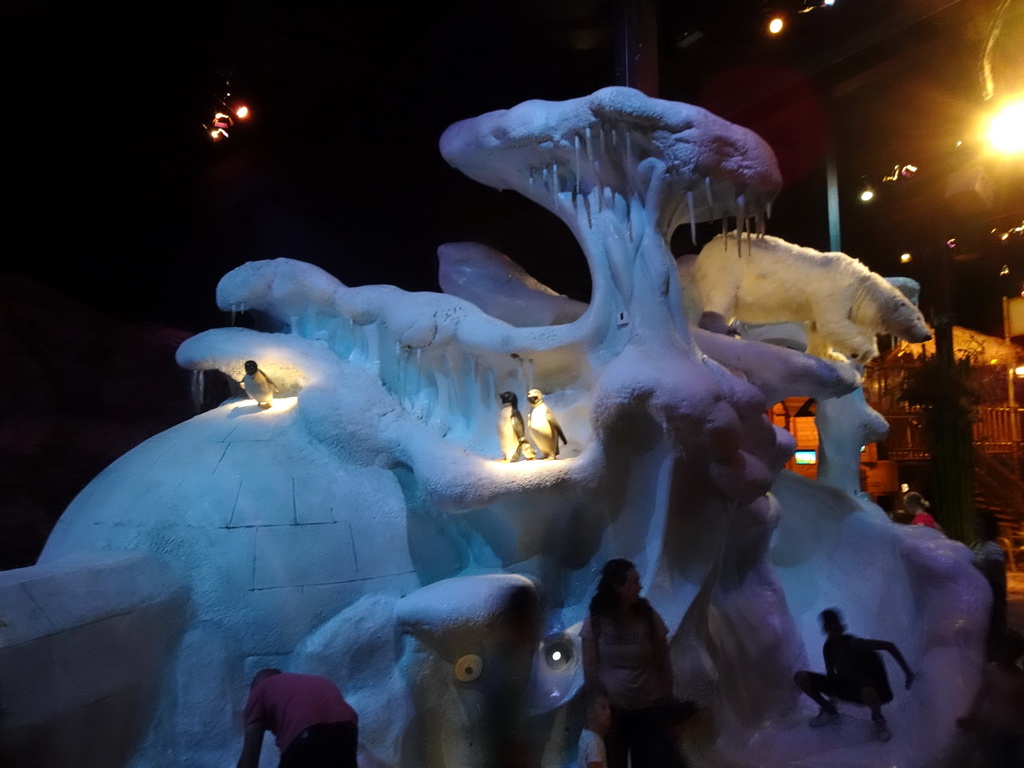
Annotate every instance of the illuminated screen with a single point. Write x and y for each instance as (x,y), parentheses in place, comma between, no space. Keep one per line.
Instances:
(806,457)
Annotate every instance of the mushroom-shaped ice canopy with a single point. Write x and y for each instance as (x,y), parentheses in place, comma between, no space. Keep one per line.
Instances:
(623,171)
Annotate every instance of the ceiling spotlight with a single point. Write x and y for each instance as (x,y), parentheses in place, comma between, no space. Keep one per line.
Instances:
(222,121)
(905,257)
(1005,270)
(900,172)
(867,194)
(1006,129)
(241,111)
(775,25)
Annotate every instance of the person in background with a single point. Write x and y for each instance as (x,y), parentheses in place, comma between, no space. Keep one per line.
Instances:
(506,682)
(990,559)
(313,724)
(598,720)
(997,710)
(625,652)
(916,506)
(854,671)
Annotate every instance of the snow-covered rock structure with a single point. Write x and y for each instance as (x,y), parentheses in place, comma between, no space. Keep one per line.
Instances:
(364,527)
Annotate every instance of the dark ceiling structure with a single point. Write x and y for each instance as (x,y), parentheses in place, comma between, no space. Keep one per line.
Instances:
(123,201)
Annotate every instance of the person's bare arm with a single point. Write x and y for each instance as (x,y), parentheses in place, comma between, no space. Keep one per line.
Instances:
(251,746)
(892,650)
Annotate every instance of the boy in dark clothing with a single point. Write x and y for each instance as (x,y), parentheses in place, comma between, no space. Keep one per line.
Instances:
(854,671)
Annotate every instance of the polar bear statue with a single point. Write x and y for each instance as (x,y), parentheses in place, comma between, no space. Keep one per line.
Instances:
(768,280)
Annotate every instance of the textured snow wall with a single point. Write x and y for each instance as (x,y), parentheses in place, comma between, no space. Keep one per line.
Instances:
(364,526)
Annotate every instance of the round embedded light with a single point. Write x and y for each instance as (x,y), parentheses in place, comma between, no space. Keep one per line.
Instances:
(468,668)
(559,654)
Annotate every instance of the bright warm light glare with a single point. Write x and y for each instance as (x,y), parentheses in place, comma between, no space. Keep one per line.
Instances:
(1006,129)
(866,195)
(281,404)
(905,257)
(1019,370)
(775,25)
(242,112)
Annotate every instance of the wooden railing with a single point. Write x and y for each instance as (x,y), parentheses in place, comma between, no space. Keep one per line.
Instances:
(997,431)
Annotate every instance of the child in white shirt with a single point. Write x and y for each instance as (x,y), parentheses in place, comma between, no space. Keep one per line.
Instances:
(599,720)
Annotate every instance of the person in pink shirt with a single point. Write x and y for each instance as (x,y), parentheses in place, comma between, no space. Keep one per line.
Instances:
(917,507)
(313,724)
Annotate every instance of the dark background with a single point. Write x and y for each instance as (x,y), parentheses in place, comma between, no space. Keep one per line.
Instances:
(121,214)
(122,201)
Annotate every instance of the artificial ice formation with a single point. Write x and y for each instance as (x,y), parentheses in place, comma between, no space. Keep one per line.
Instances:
(367,525)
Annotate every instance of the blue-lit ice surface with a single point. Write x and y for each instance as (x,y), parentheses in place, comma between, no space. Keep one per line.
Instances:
(367,527)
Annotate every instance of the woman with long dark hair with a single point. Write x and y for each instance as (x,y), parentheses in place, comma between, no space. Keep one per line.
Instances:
(625,651)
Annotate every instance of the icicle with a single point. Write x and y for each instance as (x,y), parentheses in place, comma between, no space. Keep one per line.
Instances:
(397,372)
(198,390)
(556,183)
(488,390)
(373,346)
(692,215)
(576,170)
(768,210)
(629,217)
(530,178)
(589,142)
(710,197)
(741,221)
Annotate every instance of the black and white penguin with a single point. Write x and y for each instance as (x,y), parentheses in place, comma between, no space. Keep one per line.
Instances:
(258,385)
(543,428)
(512,430)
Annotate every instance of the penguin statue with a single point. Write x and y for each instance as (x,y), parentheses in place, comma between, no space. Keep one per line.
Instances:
(258,385)
(543,428)
(512,430)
